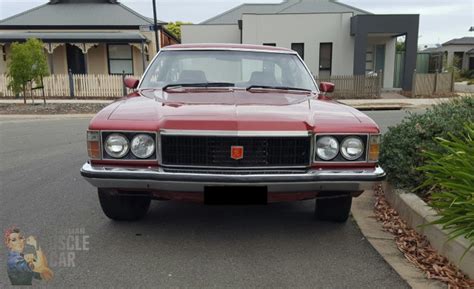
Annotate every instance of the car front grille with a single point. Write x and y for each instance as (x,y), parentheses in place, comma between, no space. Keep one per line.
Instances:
(215,151)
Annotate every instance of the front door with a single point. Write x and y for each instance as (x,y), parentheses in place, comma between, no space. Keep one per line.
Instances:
(379,57)
(75,59)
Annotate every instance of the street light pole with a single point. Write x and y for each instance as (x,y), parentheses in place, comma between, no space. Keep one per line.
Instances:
(155,27)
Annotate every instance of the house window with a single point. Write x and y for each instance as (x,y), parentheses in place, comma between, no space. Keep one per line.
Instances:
(298,47)
(4,53)
(325,60)
(458,59)
(120,58)
(269,44)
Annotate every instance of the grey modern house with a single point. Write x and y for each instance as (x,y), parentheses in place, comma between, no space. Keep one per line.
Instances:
(458,52)
(86,36)
(332,37)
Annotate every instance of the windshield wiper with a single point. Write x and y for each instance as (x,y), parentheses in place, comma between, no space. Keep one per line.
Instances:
(199,84)
(277,87)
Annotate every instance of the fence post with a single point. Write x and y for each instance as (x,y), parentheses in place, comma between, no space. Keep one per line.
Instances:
(413,84)
(380,82)
(124,88)
(436,83)
(452,81)
(71,84)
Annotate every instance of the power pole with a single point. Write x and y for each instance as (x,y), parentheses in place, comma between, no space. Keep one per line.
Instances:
(155,26)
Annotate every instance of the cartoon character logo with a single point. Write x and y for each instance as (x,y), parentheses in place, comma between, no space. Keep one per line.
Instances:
(22,268)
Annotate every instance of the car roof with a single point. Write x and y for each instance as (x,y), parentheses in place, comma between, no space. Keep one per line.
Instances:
(228,46)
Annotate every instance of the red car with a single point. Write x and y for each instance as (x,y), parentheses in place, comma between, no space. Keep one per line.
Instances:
(230,124)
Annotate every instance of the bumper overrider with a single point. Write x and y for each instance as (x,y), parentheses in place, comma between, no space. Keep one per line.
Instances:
(157,179)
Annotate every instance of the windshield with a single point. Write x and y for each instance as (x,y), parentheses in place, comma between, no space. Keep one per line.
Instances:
(225,67)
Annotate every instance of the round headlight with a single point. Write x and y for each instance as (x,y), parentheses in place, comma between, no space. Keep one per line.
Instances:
(116,145)
(327,148)
(352,148)
(143,146)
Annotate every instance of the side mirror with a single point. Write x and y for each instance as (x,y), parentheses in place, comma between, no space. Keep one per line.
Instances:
(131,82)
(326,87)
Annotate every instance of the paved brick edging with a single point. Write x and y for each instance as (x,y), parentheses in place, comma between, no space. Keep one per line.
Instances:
(416,212)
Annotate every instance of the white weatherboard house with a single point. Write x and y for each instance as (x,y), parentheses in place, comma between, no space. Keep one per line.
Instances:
(333,38)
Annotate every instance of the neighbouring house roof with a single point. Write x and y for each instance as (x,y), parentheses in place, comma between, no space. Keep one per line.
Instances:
(460,41)
(84,37)
(77,13)
(233,15)
(433,50)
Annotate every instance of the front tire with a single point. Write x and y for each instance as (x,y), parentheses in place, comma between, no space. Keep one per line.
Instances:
(333,209)
(123,208)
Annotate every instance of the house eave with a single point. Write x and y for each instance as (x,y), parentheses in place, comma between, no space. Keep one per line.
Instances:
(66,27)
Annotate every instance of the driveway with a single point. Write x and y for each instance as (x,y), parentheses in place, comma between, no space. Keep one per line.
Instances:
(178,245)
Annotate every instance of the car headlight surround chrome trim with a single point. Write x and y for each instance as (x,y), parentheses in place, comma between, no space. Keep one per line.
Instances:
(352,148)
(119,140)
(327,147)
(142,146)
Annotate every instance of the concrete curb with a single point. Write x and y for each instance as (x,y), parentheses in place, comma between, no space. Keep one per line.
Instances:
(416,213)
(383,242)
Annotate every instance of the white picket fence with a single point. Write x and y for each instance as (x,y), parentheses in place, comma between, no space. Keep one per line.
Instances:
(85,86)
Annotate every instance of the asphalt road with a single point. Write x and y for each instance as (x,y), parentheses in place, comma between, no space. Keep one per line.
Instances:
(178,245)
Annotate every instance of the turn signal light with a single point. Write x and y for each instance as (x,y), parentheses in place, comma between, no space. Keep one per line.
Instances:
(93,144)
(374,148)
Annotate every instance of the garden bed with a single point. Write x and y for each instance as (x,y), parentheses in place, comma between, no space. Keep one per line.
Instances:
(406,216)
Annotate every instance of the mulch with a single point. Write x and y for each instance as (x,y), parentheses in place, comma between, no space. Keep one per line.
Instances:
(51,108)
(416,248)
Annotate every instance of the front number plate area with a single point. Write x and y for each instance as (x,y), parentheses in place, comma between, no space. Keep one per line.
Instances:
(235,195)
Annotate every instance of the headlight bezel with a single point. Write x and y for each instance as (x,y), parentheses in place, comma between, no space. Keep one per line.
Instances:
(339,159)
(129,135)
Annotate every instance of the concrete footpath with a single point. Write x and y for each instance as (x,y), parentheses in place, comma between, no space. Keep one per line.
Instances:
(364,104)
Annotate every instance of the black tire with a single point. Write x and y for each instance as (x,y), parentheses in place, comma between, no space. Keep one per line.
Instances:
(333,209)
(123,208)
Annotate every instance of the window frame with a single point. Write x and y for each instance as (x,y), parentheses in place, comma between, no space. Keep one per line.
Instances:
(109,58)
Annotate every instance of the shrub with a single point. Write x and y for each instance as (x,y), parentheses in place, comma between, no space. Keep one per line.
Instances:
(402,145)
(467,74)
(450,175)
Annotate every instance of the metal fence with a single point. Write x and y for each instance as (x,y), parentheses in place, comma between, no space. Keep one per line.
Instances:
(355,86)
(429,84)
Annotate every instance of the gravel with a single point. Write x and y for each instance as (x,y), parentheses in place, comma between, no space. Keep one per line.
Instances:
(53,108)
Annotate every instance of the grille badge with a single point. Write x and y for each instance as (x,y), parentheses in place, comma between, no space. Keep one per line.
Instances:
(237,152)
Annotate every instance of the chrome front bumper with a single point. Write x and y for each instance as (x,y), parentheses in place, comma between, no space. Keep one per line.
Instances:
(348,180)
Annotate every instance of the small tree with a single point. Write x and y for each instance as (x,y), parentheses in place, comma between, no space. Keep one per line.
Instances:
(27,64)
(175,28)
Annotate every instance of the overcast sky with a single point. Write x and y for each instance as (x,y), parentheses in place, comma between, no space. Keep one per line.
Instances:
(441,20)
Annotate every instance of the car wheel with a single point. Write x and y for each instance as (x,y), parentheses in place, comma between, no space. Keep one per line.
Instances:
(333,209)
(123,208)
